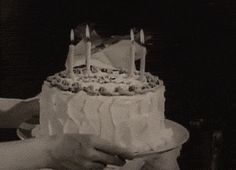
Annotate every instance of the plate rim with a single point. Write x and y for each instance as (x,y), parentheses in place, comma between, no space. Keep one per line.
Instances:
(174,146)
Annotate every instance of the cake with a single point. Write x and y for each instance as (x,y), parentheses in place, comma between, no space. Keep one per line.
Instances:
(109,103)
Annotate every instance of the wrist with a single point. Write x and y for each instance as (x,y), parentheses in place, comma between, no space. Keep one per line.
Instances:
(31,107)
(48,144)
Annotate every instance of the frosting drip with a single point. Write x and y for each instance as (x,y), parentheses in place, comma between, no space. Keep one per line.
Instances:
(107,82)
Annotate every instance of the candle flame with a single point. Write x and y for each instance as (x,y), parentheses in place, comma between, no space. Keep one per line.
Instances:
(131,35)
(87,32)
(142,36)
(72,35)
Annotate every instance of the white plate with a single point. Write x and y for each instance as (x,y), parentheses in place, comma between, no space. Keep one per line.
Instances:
(180,136)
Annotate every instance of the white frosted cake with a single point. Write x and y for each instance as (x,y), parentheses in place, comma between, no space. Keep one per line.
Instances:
(108,103)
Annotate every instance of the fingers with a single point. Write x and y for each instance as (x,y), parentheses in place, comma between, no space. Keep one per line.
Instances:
(112,149)
(88,165)
(104,158)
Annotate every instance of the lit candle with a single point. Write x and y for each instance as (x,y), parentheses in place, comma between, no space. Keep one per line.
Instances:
(143,59)
(88,50)
(70,57)
(132,58)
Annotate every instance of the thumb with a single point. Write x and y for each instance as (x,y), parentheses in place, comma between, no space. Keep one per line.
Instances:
(113,149)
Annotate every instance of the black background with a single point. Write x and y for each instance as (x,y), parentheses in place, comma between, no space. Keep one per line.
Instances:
(193,47)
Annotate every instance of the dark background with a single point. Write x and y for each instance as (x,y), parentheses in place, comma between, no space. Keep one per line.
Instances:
(193,47)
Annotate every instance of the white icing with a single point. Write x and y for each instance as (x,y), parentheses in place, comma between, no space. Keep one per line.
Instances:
(135,122)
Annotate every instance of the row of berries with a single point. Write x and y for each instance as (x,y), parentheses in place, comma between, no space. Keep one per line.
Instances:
(76,87)
(63,84)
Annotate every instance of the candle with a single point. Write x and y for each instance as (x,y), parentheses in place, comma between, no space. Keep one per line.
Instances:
(88,50)
(132,58)
(143,59)
(70,57)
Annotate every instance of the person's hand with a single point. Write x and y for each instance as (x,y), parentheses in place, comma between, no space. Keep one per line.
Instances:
(16,111)
(76,151)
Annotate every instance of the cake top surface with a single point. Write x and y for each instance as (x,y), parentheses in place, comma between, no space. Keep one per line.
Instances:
(103,81)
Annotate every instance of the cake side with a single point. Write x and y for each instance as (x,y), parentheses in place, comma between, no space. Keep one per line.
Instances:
(135,122)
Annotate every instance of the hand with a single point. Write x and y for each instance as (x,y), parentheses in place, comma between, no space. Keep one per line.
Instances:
(76,151)
(17,111)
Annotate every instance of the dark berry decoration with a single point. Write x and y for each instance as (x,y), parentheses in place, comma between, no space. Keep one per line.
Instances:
(93,69)
(143,87)
(58,79)
(75,87)
(65,83)
(151,84)
(132,88)
(117,89)
(122,71)
(77,71)
(104,70)
(62,74)
(102,89)
(89,89)
(54,82)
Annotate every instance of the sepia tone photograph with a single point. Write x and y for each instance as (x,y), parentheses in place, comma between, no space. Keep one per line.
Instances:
(113,85)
